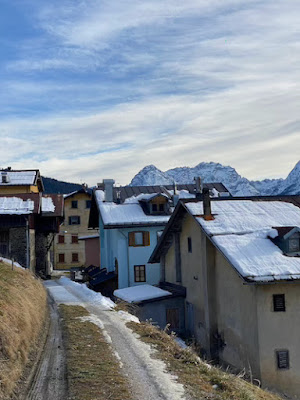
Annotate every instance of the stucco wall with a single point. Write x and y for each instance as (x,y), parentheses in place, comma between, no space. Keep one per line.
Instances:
(92,252)
(279,331)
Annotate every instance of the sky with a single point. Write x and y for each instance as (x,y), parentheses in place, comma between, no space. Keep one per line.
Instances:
(99,89)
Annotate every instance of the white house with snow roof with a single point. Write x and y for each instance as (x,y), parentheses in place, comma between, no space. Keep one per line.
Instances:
(239,262)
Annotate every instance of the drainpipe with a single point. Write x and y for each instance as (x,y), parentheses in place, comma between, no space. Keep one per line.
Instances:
(128,269)
(27,244)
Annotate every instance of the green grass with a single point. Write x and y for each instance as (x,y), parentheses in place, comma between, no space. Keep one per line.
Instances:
(92,368)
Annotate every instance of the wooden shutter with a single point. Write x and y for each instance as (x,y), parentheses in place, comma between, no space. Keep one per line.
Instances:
(172,317)
(131,241)
(279,302)
(146,238)
(283,359)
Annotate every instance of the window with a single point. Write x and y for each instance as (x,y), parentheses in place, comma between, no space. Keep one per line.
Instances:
(88,204)
(61,239)
(74,204)
(189,244)
(139,273)
(154,207)
(74,238)
(294,244)
(139,239)
(74,220)
(161,207)
(278,302)
(172,318)
(75,257)
(282,357)
(61,257)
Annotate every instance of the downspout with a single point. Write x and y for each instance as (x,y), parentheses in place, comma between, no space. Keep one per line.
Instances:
(126,237)
(27,243)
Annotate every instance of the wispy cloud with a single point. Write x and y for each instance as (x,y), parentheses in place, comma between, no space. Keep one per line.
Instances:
(102,89)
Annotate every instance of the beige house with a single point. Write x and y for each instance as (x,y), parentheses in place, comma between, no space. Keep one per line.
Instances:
(242,283)
(69,250)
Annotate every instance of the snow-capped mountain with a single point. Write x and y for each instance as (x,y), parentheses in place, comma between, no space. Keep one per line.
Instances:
(215,172)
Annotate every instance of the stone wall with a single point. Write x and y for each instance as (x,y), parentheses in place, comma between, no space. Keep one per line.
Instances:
(18,245)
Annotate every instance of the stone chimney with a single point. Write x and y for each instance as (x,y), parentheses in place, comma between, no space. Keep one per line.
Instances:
(207,205)
(197,180)
(175,194)
(108,190)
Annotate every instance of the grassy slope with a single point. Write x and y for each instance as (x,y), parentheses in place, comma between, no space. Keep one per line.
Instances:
(23,305)
(198,378)
(93,370)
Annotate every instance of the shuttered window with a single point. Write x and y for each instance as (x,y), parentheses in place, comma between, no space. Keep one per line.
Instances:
(74,238)
(278,302)
(75,257)
(140,273)
(61,239)
(74,220)
(139,238)
(283,361)
(61,257)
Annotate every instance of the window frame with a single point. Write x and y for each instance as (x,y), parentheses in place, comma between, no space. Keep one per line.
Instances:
(63,256)
(72,217)
(74,239)
(277,298)
(88,202)
(74,203)
(132,240)
(75,259)
(138,274)
(277,356)
(61,239)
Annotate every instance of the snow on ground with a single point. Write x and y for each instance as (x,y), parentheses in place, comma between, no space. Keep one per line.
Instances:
(148,376)
(140,293)
(9,262)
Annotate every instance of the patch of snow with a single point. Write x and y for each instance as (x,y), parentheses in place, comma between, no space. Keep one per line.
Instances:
(128,317)
(9,262)
(87,294)
(19,178)
(15,206)
(181,342)
(140,293)
(47,204)
(128,214)
(100,195)
(143,196)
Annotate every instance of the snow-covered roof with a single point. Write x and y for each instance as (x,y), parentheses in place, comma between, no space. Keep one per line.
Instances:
(242,231)
(140,293)
(128,214)
(144,197)
(47,204)
(15,206)
(19,177)
(244,216)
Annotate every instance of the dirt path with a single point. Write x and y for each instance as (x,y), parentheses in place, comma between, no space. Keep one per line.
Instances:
(147,376)
(49,382)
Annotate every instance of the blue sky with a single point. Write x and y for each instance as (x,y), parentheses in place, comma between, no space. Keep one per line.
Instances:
(99,89)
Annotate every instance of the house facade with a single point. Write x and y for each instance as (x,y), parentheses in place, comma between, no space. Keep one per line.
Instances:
(20,181)
(69,251)
(242,289)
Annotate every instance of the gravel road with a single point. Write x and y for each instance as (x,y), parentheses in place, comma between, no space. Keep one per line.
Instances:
(147,376)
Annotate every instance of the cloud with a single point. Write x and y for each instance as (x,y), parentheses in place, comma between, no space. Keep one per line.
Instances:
(104,88)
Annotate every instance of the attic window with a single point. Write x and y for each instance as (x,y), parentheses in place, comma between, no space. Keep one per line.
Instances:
(139,239)
(5,178)
(294,244)
(283,361)
(278,302)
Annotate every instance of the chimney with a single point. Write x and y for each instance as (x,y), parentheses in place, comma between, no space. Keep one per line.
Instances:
(207,205)
(175,194)
(108,189)
(197,180)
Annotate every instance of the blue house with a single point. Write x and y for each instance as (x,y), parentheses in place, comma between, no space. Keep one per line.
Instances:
(130,221)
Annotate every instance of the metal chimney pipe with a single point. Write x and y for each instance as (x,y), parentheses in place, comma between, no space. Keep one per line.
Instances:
(197,180)
(207,205)
(108,189)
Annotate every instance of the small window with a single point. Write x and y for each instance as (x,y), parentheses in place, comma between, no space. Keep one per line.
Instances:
(189,244)
(74,204)
(139,239)
(278,302)
(282,357)
(154,207)
(139,273)
(74,220)
(61,239)
(61,257)
(75,257)
(74,238)
(294,244)
(88,204)
(161,207)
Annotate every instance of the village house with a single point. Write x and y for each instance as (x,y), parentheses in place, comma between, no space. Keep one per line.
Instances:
(130,220)
(28,220)
(239,263)
(69,251)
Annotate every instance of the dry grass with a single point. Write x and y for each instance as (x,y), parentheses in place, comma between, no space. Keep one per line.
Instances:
(93,370)
(201,380)
(23,305)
